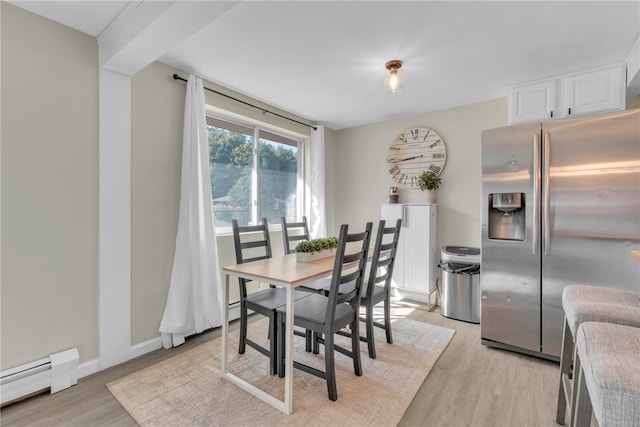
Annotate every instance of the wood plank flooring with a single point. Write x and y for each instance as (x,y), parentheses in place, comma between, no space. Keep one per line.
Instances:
(471,385)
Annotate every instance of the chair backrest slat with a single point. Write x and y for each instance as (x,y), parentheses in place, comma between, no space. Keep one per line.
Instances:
(250,238)
(293,232)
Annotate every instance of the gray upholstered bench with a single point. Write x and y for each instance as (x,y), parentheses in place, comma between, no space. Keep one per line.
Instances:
(609,376)
(582,303)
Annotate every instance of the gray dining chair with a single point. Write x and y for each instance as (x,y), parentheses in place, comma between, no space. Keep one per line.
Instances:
(252,243)
(325,315)
(377,288)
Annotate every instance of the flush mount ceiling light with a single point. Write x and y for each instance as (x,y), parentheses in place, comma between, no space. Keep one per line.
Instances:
(393,83)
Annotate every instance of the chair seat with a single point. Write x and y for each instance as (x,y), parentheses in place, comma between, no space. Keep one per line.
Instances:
(379,293)
(583,303)
(610,361)
(313,308)
(317,286)
(272,298)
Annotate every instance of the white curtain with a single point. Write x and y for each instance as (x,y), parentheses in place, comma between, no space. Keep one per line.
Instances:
(318,223)
(195,292)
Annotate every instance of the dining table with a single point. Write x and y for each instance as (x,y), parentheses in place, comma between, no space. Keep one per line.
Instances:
(282,271)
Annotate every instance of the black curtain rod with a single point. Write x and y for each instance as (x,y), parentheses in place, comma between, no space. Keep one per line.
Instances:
(177,77)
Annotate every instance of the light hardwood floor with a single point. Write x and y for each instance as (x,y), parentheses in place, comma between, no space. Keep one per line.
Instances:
(471,385)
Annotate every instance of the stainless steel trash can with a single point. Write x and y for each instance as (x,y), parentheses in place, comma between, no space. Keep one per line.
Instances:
(460,283)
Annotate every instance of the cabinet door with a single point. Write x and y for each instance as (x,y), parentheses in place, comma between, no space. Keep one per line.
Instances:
(419,248)
(533,101)
(417,255)
(596,91)
(391,213)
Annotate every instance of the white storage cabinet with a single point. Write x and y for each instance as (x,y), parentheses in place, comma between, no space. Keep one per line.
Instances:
(592,91)
(416,257)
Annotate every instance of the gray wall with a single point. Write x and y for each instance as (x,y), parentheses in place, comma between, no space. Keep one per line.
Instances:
(157,109)
(49,189)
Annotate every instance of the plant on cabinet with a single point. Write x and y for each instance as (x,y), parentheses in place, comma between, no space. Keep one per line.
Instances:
(429,181)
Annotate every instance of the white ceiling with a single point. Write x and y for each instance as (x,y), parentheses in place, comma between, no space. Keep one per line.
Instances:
(324,60)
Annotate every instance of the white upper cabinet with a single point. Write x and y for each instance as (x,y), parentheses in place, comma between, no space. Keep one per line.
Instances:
(533,101)
(592,91)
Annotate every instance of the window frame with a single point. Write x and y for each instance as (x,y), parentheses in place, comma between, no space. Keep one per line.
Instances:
(257,126)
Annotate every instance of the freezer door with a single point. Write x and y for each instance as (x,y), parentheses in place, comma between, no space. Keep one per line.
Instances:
(593,214)
(510,269)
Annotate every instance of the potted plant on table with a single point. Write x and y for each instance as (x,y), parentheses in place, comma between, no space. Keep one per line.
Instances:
(429,181)
(312,250)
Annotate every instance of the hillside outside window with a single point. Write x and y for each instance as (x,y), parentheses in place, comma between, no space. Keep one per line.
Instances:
(255,173)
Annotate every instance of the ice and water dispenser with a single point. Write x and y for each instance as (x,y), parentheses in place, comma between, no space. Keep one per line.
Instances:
(506,216)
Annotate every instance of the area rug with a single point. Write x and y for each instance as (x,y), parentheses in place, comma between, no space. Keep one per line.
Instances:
(187,390)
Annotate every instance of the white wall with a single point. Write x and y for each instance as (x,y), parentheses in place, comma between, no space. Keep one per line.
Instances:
(363,181)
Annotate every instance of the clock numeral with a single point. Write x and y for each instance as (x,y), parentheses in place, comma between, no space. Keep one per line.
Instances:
(438,156)
(394,170)
(435,143)
(413,181)
(402,138)
(426,135)
(435,168)
(414,134)
(403,179)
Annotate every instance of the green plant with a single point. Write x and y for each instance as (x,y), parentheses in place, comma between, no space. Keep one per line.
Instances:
(317,245)
(428,180)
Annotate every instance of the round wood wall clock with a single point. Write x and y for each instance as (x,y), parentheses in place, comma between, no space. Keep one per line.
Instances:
(414,151)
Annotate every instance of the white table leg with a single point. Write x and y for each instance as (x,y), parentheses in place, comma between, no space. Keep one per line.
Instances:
(285,406)
(225,323)
(288,369)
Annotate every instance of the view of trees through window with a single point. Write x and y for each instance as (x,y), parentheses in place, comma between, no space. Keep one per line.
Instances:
(237,178)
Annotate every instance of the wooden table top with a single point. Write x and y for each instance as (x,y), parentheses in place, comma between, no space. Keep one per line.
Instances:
(283,269)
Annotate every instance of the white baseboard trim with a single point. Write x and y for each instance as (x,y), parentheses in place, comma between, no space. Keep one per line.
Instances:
(145,347)
(89,367)
(415,295)
(92,366)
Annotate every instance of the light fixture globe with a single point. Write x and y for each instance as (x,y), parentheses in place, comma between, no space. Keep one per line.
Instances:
(393,83)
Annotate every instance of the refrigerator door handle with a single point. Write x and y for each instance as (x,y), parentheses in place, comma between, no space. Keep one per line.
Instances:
(536,193)
(546,217)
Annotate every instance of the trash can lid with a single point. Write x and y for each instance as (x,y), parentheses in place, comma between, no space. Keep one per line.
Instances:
(461,254)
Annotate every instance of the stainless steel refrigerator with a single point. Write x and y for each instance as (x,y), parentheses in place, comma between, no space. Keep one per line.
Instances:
(560,206)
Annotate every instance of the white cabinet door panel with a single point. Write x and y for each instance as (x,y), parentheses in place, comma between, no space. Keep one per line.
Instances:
(596,91)
(416,258)
(531,102)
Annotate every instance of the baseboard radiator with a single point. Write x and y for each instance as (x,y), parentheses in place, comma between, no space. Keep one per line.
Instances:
(54,373)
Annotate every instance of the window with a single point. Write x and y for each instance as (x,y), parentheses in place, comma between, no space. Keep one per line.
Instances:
(255,173)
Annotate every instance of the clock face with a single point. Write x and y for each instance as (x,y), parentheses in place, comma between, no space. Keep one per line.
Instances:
(414,151)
